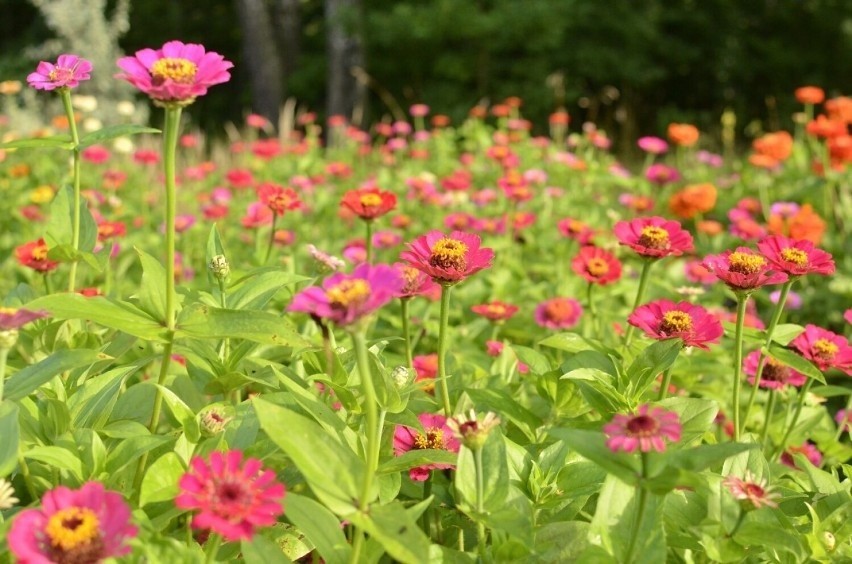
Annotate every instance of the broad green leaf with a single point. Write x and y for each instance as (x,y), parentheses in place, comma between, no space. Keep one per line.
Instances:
(113,132)
(320,526)
(152,292)
(619,513)
(40,143)
(598,390)
(536,361)
(504,404)
(161,479)
(256,292)
(763,535)
(703,457)
(130,449)
(56,457)
(654,360)
(589,359)
(562,541)
(592,446)
(182,413)
(570,342)
(396,530)
(27,380)
(786,332)
(261,550)
(495,471)
(205,322)
(696,416)
(58,230)
(794,361)
(92,403)
(10,432)
(415,458)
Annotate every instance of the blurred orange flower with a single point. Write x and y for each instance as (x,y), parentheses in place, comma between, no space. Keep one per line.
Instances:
(839,109)
(692,200)
(825,127)
(777,145)
(805,224)
(810,95)
(683,134)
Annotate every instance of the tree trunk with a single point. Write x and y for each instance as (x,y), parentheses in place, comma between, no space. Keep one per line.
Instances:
(345,52)
(288,26)
(262,58)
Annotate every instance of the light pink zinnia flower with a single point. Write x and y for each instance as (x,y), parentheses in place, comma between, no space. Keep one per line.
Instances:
(646,430)
(743,269)
(796,257)
(346,298)
(558,313)
(233,497)
(653,145)
(436,435)
(13,318)
(774,375)
(68,72)
(750,492)
(85,525)
(691,323)
(448,259)
(810,451)
(175,73)
(654,236)
(824,348)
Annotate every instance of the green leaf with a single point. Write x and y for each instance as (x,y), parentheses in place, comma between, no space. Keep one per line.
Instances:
(256,292)
(113,132)
(396,530)
(40,143)
(205,322)
(10,432)
(415,458)
(536,361)
(655,359)
(261,550)
(598,390)
(27,380)
(570,342)
(786,332)
(794,361)
(92,403)
(706,456)
(592,446)
(320,526)
(618,513)
(58,230)
(108,312)
(503,404)
(152,292)
(56,457)
(696,416)
(589,359)
(182,413)
(495,473)
(130,449)
(317,454)
(161,479)
(764,535)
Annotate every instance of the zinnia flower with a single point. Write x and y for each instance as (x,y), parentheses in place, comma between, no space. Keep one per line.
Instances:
(415,282)
(809,94)
(691,323)
(558,313)
(683,134)
(177,73)
(661,174)
(576,229)
(14,318)
(646,430)
(693,200)
(653,145)
(279,199)
(774,375)
(653,236)
(597,265)
(347,298)
(810,451)
(68,72)
(743,269)
(448,259)
(750,492)
(369,203)
(796,258)
(233,497)
(436,435)
(86,525)
(824,348)
(34,255)
(495,310)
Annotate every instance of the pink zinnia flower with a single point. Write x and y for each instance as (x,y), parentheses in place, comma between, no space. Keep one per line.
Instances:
(415,282)
(743,269)
(68,72)
(576,229)
(597,265)
(824,348)
(233,497)
(14,318)
(654,236)
(653,145)
(448,259)
(558,313)
(774,375)
(810,451)
(175,73)
(85,525)
(258,214)
(691,323)
(750,492)
(494,348)
(796,257)
(646,430)
(279,199)
(436,435)
(346,298)
(661,174)
(697,274)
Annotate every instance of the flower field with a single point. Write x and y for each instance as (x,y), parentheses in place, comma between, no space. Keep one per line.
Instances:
(486,341)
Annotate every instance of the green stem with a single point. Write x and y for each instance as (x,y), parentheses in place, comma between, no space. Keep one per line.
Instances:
(406,332)
(169,157)
(480,504)
(593,312)
(28,479)
(426,520)
(842,426)
(770,407)
(800,404)
(155,412)
(223,302)
(640,295)
(637,523)
(271,242)
(770,330)
(739,522)
(442,348)
(211,547)
(368,244)
(742,301)
(4,353)
(65,93)
(664,387)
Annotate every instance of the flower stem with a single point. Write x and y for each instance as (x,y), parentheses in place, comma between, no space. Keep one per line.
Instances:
(739,522)
(640,295)
(596,322)
(169,157)
(770,330)
(637,523)
(406,332)
(271,242)
(368,243)
(770,407)
(65,93)
(742,301)
(211,547)
(664,386)
(4,353)
(442,348)
(481,533)
(799,406)
(426,519)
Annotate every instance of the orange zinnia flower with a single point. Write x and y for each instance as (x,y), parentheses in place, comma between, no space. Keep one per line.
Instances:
(825,127)
(777,145)
(806,224)
(810,95)
(693,199)
(839,109)
(683,134)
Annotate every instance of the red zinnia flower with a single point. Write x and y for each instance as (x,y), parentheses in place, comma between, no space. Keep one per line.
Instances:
(110,229)
(34,255)
(743,269)
(646,430)
(558,313)
(824,348)
(597,265)
(577,230)
(774,375)
(691,323)
(495,310)
(750,492)
(448,259)
(233,497)
(278,198)
(369,203)
(654,236)
(796,257)
(436,435)
(85,525)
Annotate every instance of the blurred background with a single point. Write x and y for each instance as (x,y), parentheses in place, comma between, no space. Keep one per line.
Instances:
(632,66)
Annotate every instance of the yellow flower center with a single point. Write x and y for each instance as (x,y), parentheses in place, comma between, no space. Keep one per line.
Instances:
(676,322)
(796,256)
(40,252)
(496,309)
(825,349)
(8,310)
(654,237)
(434,438)
(349,292)
(745,263)
(371,200)
(449,253)
(175,69)
(72,527)
(597,267)
(42,194)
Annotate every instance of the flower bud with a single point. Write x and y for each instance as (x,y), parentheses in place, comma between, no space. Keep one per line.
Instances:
(220,267)
(213,421)
(401,376)
(472,432)
(829,541)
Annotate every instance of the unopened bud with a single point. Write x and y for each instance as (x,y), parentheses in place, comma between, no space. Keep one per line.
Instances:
(213,421)
(401,376)
(829,541)
(220,267)
(472,432)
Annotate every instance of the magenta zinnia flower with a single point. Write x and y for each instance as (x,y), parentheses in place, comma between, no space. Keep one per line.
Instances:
(558,313)
(653,145)
(774,375)
(743,269)
(597,265)
(85,525)
(176,73)
(68,72)
(750,492)
(448,259)
(436,435)
(13,318)
(810,451)
(415,282)
(346,298)
(691,323)
(646,430)
(233,497)
(824,348)
(796,257)
(654,236)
